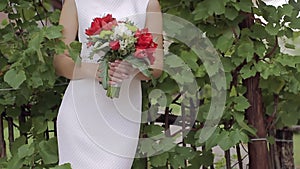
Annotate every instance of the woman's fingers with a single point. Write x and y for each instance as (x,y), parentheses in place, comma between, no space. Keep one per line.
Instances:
(123,70)
(116,74)
(122,67)
(118,71)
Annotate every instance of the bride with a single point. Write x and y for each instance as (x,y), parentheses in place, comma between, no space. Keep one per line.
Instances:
(94,131)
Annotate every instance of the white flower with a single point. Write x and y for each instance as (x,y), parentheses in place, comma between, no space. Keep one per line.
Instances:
(121,30)
(123,44)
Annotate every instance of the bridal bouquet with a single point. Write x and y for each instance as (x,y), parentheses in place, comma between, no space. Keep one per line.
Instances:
(120,40)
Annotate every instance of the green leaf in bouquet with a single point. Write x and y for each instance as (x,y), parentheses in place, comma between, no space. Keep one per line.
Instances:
(105,33)
(141,65)
(104,73)
(131,27)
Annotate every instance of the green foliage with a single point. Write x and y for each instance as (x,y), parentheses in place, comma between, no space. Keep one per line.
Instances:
(29,90)
(31,37)
(244,52)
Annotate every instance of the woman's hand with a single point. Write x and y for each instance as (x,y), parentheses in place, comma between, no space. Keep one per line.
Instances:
(119,71)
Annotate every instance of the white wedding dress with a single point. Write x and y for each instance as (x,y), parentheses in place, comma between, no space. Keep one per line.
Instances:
(94,131)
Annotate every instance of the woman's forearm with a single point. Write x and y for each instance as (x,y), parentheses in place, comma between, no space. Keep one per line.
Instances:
(66,67)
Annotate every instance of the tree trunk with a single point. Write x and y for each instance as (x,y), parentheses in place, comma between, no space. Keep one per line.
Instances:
(258,152)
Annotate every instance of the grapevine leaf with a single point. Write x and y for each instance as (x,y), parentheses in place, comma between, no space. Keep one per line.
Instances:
(190,59)
(15,162)
(248,71)
(289,119)
(286,10)
(153,130)
(159,160)
(200,11)
(15,78)
(272,28)
(48,151)
(215,6)
(295,24)
(25,150)
(186,152)
(53,32)
(74,50)
(173,61)
(245,5)
(231,13)
(146,146)
(239,117)
(206,158)
(246,49)
(54,17)
(177,161)
(3,5)
(225,41)
(241,103)
(35,44)
(224,141)
(39,124)
(64,166)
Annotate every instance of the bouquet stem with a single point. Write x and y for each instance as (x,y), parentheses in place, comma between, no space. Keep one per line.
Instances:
(113,91)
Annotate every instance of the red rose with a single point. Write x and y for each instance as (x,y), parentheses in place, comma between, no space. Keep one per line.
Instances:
(138,33)
(140,53)
(108,22)
(108,26)
(144,41)
(108,18)
(95,27)
(114,45)
(98,24)
(145,47)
